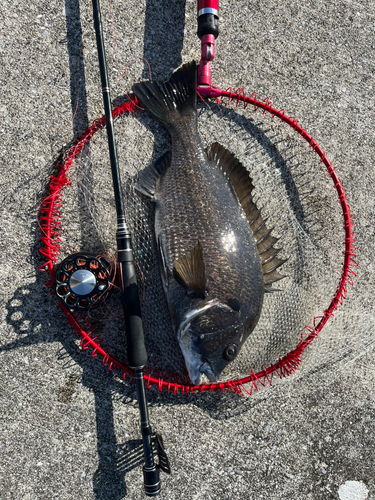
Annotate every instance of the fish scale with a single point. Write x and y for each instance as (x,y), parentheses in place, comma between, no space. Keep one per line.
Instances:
(182,223)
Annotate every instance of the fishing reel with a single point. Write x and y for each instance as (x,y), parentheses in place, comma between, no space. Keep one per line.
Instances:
(83,281)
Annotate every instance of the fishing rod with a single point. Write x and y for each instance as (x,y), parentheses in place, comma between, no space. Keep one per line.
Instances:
(137,355)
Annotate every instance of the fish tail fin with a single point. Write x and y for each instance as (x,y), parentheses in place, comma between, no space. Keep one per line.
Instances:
(168,100)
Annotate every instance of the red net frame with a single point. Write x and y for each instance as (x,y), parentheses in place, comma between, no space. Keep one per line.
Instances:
(50,222)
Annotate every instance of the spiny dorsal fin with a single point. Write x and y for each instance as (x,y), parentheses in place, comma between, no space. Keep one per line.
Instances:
(270,278)
(240,180)
(190,271)
(148,178)
(234,171)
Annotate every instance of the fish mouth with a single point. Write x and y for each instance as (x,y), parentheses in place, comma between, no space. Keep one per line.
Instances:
(207,370)
(196,375)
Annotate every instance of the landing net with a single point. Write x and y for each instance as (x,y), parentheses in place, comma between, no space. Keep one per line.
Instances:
(300,193)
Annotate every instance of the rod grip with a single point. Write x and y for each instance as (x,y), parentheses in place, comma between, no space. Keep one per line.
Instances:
(137,354)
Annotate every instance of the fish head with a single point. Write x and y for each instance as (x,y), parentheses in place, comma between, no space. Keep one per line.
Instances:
(210,337)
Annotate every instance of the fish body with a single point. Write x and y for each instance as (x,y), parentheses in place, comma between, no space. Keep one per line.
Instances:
(211,266)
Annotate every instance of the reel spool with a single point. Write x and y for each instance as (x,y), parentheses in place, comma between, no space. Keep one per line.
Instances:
(82,281)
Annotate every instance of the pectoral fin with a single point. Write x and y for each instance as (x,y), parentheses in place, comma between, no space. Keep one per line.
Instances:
(190,271)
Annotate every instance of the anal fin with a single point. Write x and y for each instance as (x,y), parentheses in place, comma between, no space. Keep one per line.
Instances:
(148,178)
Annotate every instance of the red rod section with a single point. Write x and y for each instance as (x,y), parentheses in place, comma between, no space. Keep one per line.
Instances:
(208,5)
(208,31)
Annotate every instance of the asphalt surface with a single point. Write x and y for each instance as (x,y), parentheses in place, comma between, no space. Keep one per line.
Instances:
(68,428)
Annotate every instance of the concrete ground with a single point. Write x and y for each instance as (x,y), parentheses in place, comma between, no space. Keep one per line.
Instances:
(68,428)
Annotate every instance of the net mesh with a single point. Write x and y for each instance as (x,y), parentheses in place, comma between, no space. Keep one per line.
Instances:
(296,195)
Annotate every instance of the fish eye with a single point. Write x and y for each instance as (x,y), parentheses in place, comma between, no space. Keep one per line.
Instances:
(230,352)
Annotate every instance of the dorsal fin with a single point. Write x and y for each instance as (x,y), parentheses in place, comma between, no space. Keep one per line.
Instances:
(190,271)
(240,180)
(148,178)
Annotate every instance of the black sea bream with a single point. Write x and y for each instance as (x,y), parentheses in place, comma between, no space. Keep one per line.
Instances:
(216,255)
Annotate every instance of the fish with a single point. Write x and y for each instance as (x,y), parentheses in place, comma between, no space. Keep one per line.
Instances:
(217,257)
